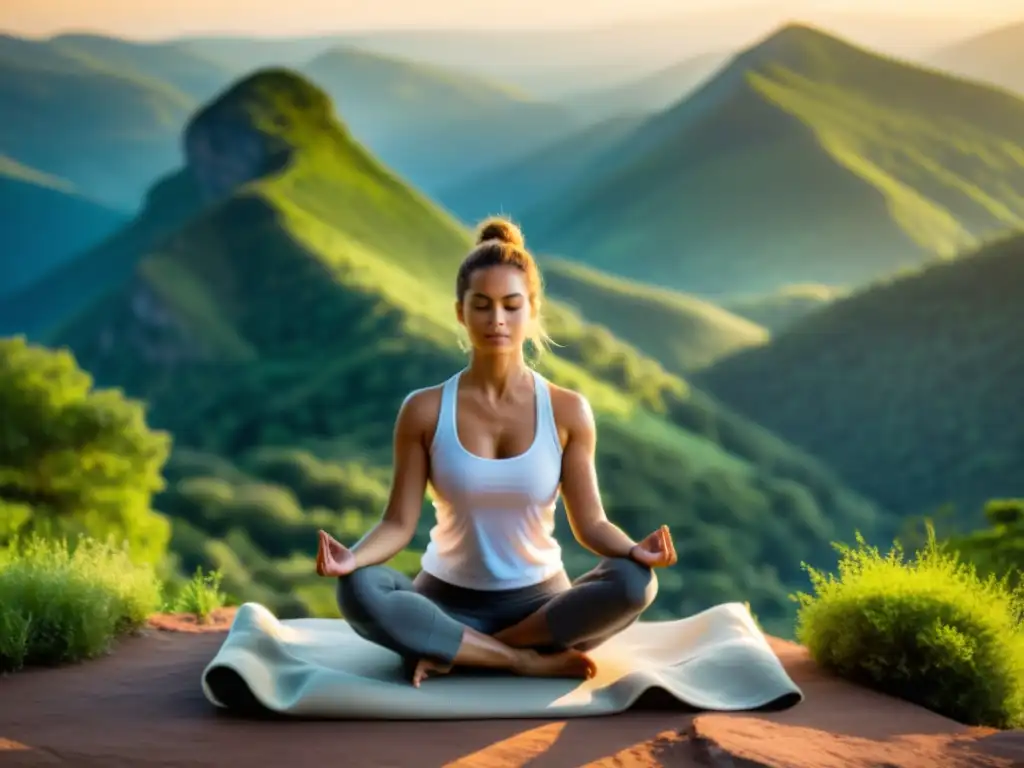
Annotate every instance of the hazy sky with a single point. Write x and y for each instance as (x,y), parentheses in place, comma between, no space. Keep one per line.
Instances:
(165,18)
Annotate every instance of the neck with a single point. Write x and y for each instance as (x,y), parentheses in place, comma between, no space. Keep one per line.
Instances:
(496,373)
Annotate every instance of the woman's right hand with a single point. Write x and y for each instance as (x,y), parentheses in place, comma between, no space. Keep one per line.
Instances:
(333,558)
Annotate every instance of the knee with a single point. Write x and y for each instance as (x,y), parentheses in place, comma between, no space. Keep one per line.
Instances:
(358,592)
(636,584)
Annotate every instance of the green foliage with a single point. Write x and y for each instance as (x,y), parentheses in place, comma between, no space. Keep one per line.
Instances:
(999,548)
(930,631)
(853,166)
(906,387)
(82,460)
(200,595)
(62,603)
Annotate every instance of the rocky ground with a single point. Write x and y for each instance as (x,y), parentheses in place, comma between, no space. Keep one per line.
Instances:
(142,706)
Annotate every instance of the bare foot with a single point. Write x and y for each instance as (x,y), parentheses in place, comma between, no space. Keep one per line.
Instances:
(426,668)
(572,664)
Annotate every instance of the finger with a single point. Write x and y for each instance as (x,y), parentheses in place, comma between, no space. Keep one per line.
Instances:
(670,546)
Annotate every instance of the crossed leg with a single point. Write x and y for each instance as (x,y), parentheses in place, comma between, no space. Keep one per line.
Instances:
(383,606)
(599,604)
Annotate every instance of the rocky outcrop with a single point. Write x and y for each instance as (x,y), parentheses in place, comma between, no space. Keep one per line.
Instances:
(253,129)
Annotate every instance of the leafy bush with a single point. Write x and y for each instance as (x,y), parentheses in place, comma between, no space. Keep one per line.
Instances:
(61,603)
(930,631)
(74,459)
(999,548)
(200,595)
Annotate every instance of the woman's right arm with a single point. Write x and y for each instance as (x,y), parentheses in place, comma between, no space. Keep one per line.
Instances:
(396,527)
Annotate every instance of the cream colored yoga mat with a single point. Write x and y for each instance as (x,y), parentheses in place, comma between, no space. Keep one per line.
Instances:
(717,659)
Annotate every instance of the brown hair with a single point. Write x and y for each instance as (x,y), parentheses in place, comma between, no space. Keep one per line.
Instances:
(500,242)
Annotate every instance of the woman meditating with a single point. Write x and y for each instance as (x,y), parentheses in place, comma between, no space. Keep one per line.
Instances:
(495,445)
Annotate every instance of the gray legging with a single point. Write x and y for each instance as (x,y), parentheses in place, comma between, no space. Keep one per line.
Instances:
(425,618)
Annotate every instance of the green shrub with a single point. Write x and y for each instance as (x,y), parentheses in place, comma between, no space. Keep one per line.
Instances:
(61,603)
(930,631)
(200,595)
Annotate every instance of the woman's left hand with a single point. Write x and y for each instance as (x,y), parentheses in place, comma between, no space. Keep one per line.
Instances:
(657,550)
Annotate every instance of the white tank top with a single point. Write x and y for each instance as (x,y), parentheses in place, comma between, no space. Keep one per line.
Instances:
(495,517)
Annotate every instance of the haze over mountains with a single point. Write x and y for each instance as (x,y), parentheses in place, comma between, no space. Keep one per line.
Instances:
(805,160)
(995,56)
(755,282)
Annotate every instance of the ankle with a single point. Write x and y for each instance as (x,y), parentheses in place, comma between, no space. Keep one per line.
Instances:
(524,659)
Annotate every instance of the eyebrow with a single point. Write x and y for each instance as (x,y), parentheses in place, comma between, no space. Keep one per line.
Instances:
(478,295)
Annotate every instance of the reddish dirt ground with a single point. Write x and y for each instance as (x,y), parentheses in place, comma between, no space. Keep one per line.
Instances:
(142,706)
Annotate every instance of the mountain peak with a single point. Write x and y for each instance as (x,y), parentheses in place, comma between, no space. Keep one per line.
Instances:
(254,127)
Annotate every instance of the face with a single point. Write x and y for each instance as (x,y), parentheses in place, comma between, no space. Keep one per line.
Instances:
(496,309)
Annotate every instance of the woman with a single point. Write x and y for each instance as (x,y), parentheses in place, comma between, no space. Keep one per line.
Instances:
(497,443)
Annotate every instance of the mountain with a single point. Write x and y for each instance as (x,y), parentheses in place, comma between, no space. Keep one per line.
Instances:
(911,389)
(995,56)
(189,71)
(45,222)
(514,187)
(109,132)
(780,309)
(435,126)
(681,332)
(650,93)
(283,292)
(806,159)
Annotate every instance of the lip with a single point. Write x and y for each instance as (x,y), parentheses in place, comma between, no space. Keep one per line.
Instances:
(496,336)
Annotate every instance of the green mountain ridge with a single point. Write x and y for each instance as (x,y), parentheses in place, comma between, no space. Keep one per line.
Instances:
(778,310)
(282,409)
(190,72)
(45,223)
(125,125)
(909,388)
(512,188)
(650,93)
(681,332)
(843,167)
(398,107)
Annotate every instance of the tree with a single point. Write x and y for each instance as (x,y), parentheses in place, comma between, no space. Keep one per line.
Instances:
(80,460)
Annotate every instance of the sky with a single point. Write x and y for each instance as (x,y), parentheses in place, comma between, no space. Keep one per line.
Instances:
(154,19)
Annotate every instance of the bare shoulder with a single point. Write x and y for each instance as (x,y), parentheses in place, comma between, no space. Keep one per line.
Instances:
(419,412)
(573,414)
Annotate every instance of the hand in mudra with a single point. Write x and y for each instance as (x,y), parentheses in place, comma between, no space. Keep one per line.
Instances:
(657,550)
(333,558)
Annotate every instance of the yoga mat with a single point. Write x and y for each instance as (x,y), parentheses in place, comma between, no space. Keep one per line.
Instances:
(715,660)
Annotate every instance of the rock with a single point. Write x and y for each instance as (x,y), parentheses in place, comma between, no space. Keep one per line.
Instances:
(142,705)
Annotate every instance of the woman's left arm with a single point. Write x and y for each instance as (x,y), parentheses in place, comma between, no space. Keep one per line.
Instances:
(590,525)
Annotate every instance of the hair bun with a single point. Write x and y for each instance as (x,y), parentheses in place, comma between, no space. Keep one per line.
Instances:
(498,228)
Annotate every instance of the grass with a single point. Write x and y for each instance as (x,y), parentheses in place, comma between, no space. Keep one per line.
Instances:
(200,595)
(928,630)
(853,166)
(61,603)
